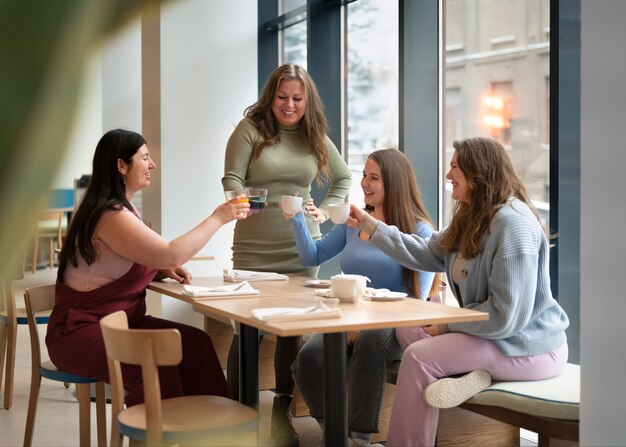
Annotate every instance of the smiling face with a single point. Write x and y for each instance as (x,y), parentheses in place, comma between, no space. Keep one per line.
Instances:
(289,102)
(137,172)
(460,189)
(372,185)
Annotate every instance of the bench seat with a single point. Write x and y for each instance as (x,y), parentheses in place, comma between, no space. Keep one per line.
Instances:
(549,407)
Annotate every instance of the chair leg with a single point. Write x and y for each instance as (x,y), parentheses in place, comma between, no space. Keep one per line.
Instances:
(3,349)
(35,253)
(51,254)
(10,364)
(101,414)
(84,413)
(35,384)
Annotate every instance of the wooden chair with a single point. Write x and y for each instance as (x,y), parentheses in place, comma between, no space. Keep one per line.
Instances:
(187,420)
(39,299)
(49,227)
(10,318)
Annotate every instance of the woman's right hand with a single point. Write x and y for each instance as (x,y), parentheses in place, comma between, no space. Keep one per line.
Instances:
(232,210)
(356,216)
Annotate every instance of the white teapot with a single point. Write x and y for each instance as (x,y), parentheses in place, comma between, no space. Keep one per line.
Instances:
(348,288)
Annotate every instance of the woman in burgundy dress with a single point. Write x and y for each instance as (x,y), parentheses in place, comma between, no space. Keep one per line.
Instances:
(109,258)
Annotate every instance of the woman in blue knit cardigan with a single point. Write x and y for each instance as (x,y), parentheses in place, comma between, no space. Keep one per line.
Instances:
(495,253)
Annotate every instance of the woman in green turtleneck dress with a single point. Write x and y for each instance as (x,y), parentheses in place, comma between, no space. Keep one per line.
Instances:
(281,145)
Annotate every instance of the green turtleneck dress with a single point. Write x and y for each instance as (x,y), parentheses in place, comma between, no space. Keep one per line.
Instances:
(265,242)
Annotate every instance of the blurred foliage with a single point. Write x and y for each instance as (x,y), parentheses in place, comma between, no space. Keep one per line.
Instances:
(44,45)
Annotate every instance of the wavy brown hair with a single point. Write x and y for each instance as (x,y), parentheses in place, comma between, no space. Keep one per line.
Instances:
(491,181)
(313,124)
(402,204)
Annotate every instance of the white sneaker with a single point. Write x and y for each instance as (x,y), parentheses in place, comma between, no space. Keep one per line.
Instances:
(353,443)
(451,392)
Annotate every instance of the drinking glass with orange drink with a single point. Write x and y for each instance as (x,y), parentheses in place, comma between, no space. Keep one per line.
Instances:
(241,195)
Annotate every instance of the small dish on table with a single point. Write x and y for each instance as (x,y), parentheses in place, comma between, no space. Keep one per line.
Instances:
(317,283)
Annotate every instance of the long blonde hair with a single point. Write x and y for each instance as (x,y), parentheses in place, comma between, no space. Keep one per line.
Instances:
(491,181)
(402,204)
(314,124)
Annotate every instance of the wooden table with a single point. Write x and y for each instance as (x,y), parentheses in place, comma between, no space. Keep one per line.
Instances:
(295,285)
(362,315)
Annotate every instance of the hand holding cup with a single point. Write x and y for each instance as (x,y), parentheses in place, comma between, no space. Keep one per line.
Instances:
(238,195)
(339,212)
(355,217)
(291,204)
(238,203)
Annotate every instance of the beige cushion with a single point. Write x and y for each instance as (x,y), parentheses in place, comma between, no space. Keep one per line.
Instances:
(556,398)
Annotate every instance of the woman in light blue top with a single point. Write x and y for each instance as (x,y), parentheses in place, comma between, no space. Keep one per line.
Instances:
(391,195)
(496,253)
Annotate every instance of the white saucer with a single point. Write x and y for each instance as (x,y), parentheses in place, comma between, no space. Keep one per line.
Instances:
(390,296)
(317,283)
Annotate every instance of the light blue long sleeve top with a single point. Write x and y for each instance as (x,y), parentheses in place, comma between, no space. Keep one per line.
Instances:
(357,256)
(508,279)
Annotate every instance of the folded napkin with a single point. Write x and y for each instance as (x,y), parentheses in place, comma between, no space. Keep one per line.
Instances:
(377,292)
(243,288)
(326,293)
(278,314)
(248,275)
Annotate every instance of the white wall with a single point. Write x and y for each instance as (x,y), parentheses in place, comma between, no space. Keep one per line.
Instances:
(603,217)
(208,77)
(110,98)
(87,128)
(121,79)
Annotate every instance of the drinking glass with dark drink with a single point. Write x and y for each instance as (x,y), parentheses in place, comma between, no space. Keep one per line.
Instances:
(258,198)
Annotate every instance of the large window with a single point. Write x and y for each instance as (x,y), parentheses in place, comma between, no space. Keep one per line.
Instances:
(496,81)
(496,67)
(372,83)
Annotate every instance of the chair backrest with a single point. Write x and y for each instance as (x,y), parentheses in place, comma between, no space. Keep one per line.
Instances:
(148,348)
(37,299)
(7,301)
(48,220)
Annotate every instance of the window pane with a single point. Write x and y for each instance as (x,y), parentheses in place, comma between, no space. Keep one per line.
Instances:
(497,73)
(288,5)
(294,44)
(372,83)
(293,38)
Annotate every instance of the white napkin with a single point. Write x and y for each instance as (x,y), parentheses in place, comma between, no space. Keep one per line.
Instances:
(326,293)
(277,314)
(248,275)
(243,288)
(377,292)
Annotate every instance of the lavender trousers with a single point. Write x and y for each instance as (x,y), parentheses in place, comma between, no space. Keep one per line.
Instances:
(427,359)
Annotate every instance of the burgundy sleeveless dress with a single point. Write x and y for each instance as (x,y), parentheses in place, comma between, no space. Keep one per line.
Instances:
(75,343)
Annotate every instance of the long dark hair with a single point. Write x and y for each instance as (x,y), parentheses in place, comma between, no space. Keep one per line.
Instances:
(313,124)
(105,191)
(402,204)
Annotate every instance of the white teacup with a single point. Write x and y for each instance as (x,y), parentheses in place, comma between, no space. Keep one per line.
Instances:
(339,212)
(291,204)
(348,288)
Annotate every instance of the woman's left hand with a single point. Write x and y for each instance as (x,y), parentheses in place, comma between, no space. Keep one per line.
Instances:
(351,337)
(436,329)
(180,274)
(315,212)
